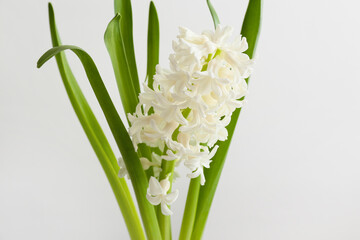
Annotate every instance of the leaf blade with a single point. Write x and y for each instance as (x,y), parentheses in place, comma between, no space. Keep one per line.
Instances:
(250,29)
(213,13)
(153,44)
(116,49)
(123,7)
(122,138)
(96,137)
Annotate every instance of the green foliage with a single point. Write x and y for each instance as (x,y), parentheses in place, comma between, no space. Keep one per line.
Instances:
(123,8)
(95,134)
(250,30)
(213,13)
(114,43)
(122,138)
(152,44)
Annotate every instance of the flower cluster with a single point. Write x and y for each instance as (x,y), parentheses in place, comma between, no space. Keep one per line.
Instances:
(189,106)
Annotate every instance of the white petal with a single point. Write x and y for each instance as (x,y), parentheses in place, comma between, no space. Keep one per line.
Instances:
(213,151)
(165,209)
(154,187)
(202,179)
(171,197)
(153,200)
(146,164)
(165,185)
(195,174)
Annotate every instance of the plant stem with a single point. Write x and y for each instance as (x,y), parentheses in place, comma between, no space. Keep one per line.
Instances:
(190,209)
(144,151)
(126,204)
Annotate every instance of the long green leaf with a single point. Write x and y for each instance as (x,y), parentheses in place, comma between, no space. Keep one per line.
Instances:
(97,138)
(122,138)
(213,13)
(152,44)
(250,30)
(251,25)
(117,51)
(123,7)
(113,41)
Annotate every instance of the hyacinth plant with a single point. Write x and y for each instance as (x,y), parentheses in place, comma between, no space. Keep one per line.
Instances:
(185,114)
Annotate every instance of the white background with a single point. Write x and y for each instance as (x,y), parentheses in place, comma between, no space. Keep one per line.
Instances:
(292,173)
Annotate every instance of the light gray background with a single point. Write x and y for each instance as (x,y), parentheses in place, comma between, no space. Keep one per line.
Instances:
(293,169)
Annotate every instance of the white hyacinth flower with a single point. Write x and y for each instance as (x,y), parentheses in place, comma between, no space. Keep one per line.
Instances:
(191,103)
(157,194)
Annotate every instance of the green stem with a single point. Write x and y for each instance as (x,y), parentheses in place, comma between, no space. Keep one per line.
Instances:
(190,209)
(165,221)
(145,151)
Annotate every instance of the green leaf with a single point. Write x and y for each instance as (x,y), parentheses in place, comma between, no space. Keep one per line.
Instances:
(123,7)
(122,138)
(114,44)
(213,13)
(113,41)
(97,138)
(251,25)
(152,44)
(250,30)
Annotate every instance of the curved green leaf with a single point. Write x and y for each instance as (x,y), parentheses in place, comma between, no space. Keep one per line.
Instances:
(250,30)
(122,138)
(97,138)
(213,13)
(152,44)
(114,44)
(129,97)
(123,7)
